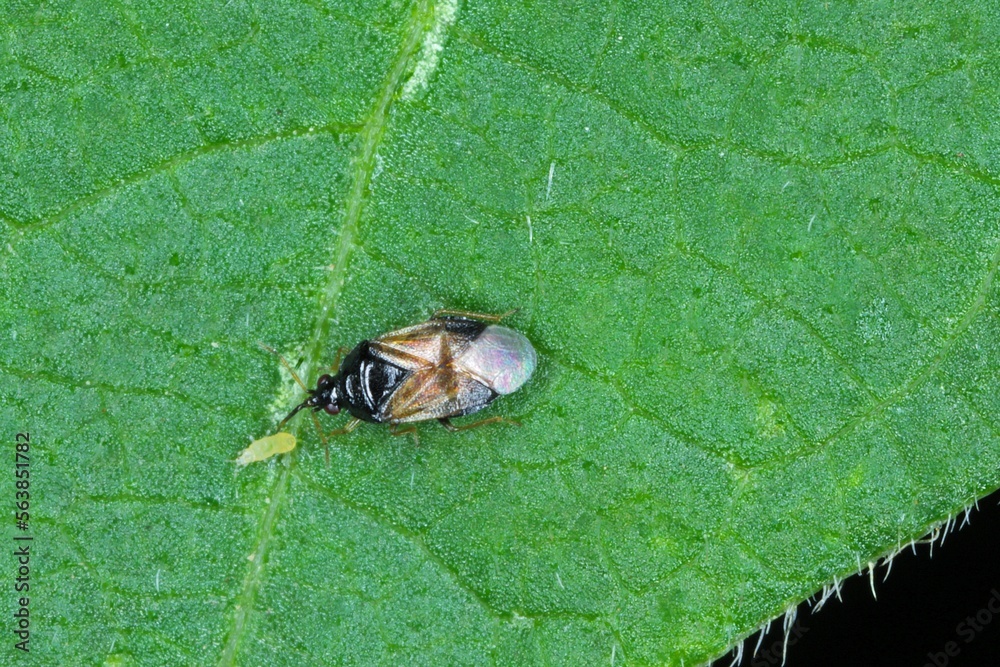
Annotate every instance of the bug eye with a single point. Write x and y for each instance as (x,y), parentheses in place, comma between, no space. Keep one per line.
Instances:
(332,408)
(323,382)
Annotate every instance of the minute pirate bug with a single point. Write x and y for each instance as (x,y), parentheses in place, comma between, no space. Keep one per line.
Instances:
(454,364)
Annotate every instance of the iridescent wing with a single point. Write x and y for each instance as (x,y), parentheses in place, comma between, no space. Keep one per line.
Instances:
(433,393)
(501,358)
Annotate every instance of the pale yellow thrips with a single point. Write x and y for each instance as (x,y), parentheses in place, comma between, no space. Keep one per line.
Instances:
(266,447)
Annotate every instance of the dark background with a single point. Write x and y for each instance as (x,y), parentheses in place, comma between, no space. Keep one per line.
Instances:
(918,611)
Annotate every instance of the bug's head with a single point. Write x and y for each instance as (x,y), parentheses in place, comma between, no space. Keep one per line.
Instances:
(323,397)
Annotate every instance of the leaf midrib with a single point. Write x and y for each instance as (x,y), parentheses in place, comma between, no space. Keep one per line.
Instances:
(362,168)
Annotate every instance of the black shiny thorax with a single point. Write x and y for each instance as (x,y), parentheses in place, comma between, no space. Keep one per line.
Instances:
(365,382)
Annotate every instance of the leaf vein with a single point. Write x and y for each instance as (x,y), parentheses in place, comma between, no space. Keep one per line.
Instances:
(166,166)
(785,310)
(362,168)
(917,380)
(408,535)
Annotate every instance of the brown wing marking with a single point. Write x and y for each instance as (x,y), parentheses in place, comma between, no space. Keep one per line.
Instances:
(393,356)
(416,347)
(436,392)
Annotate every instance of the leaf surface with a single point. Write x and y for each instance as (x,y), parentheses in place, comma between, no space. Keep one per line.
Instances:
(754,245)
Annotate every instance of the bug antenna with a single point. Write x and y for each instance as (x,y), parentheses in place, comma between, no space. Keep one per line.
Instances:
(288,366)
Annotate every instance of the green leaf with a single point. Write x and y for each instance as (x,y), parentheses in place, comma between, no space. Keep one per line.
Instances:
(754,245)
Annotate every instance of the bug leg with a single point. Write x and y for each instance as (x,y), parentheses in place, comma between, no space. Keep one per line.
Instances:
(482,422)
(476,316)
(341,351)
(406,430)
(288,366)
(344,430)
(322,437)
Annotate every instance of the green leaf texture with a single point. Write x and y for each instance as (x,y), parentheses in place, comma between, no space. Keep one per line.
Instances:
(755,245)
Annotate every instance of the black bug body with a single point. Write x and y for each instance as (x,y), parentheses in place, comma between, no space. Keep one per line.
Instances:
(449,366)
(365,383)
